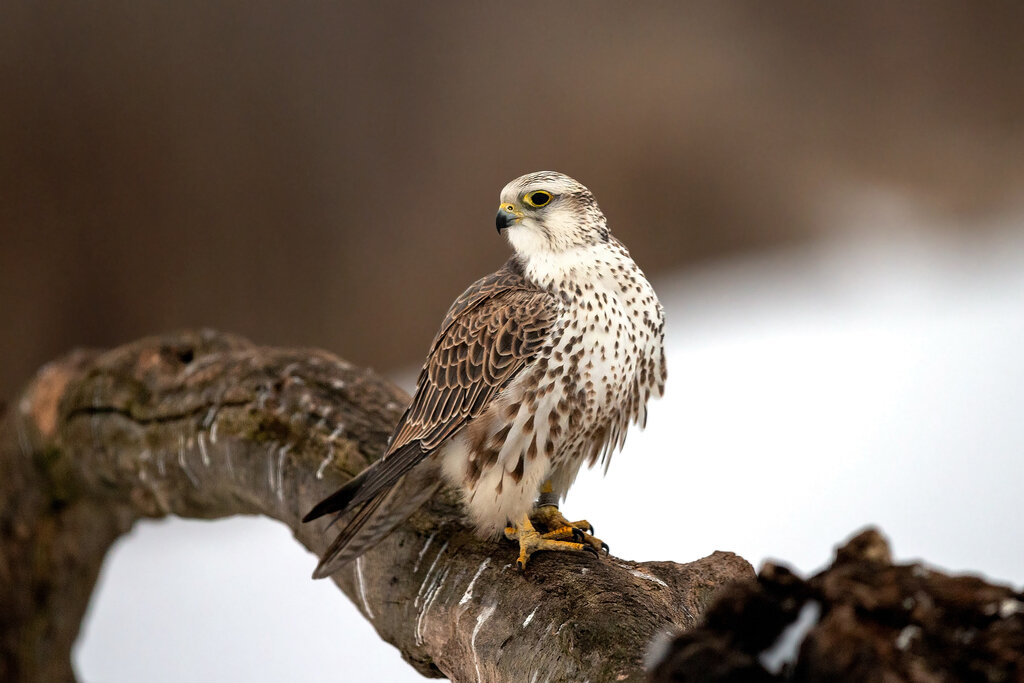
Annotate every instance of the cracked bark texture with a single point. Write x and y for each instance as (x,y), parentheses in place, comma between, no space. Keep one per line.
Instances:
(206,425)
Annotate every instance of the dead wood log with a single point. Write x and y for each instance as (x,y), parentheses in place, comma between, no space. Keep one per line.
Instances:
(206,425)
(864,618)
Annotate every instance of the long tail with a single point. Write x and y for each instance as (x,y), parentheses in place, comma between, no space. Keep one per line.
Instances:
(376,518)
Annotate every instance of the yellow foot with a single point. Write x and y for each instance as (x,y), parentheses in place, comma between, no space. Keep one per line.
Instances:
(558,527)
(530,541)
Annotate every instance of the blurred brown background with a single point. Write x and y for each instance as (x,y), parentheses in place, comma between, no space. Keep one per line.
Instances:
(326,174)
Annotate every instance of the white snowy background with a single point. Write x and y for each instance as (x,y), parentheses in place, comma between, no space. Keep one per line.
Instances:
(877,378)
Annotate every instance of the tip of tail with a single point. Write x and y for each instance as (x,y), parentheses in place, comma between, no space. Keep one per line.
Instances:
(337,501)
(315,513)
(321,572)
(318,511)
(335,559)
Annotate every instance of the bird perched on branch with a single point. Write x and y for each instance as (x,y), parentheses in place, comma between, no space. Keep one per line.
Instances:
(537,368)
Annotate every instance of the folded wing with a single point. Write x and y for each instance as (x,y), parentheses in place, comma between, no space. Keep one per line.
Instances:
(491,333)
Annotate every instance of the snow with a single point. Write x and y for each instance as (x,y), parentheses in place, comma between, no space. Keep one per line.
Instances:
(182,600)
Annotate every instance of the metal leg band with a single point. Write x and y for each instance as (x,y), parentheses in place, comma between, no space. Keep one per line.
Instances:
(548,498)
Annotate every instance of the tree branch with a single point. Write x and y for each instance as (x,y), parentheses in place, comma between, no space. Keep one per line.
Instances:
(209,425)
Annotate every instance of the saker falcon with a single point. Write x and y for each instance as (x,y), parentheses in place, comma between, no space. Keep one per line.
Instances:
(537,368)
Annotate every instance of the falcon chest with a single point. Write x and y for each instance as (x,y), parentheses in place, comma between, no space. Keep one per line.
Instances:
(592,377)
(602,358)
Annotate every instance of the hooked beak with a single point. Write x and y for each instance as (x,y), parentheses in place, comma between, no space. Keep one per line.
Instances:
(507,215)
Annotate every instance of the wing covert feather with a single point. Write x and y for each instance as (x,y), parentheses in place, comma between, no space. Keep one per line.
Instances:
(472,359)
(490,333)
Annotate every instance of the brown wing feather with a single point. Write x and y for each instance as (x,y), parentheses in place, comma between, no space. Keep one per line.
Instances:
(490,333)
(499,337)
(476,357)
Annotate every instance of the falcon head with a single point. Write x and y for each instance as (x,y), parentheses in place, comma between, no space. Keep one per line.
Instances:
(549,212)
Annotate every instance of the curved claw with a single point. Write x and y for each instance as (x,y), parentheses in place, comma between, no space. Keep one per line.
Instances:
(531,541)
(605,548)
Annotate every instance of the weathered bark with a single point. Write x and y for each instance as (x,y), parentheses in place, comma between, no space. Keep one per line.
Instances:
(862,619)
(209,425)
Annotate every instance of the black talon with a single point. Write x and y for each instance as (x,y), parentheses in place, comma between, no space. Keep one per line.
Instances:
(520,565)
(592,530)
(578,536)
(605,548)
(590,548)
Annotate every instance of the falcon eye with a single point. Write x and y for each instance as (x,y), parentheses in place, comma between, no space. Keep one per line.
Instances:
(539,198)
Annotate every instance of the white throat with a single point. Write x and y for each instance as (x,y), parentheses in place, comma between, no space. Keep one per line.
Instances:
(585,262)
(561,249)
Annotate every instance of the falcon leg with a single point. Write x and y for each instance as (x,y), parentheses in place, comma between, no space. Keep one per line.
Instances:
(559,534)
(547,515)
(530,541)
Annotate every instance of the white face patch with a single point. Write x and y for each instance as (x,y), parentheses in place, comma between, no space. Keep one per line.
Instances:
(570,220)
(527,237)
